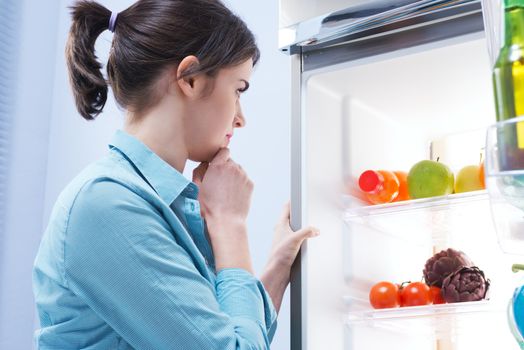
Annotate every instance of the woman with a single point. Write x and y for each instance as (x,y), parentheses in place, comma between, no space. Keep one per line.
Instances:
(135,255)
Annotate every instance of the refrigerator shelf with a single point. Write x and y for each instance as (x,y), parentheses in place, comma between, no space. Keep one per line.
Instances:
(433,203)
(452,309)
(437,222)
(439,321)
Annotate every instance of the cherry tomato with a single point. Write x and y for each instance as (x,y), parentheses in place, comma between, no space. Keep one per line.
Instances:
(436,295)
(415,293)
(384,295)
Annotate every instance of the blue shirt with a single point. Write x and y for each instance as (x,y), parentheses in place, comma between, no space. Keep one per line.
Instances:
(125,263)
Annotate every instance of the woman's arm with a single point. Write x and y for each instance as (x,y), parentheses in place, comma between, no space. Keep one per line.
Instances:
(225,197)
(275,280)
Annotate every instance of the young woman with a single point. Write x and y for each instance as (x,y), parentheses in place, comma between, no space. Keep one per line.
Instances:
(136,256)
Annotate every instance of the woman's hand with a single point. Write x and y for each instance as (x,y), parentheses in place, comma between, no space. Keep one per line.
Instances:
(286,245)
(224,189)
(225,197)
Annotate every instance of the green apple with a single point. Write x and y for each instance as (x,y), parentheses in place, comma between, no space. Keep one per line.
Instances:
(428,178)
(468,179)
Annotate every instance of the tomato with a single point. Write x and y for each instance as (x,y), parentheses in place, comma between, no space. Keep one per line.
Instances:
(436,295)
(384,295)
(415,293)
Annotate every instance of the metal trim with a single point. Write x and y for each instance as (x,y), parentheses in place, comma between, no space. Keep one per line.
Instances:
(334,26)
(297,318)
(353,48)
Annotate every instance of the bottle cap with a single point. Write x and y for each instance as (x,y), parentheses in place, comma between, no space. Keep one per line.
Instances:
(369,181)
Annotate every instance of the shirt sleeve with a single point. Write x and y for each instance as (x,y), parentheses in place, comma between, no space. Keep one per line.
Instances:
(122,258)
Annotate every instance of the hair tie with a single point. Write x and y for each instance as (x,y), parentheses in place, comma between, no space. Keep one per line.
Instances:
(112,21)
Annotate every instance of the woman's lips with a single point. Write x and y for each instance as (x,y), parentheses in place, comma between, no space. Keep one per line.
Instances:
(229,136)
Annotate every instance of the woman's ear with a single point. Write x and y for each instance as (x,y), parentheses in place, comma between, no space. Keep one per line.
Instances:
(192,86)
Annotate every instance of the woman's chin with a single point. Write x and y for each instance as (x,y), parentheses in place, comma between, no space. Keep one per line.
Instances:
(206,156)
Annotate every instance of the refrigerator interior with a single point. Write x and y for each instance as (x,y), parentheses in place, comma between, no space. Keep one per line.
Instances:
(389,112)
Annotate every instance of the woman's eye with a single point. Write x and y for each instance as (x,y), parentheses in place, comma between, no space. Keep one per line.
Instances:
(244,89)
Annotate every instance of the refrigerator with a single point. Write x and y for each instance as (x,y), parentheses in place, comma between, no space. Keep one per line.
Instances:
(383,84)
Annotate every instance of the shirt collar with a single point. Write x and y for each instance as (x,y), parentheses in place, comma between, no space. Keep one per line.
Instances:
(168,182)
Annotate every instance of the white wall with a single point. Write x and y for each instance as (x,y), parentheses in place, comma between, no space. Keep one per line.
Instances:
(66,144)
(27,169)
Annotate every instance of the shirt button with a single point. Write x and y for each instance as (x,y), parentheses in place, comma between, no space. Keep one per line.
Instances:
(193,206)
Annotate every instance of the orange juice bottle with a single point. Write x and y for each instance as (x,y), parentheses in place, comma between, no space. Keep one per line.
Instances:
(403,192)
(380,186)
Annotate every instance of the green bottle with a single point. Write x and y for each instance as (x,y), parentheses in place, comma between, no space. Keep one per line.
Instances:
(508,83)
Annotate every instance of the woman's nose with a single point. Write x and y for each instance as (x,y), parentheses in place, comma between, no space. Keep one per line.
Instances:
(239,121)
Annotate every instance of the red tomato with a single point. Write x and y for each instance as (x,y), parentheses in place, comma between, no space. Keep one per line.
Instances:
(383,295)
(415,293)
(436,295)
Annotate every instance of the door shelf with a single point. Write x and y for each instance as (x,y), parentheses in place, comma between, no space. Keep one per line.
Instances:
(439,321)
(426,221)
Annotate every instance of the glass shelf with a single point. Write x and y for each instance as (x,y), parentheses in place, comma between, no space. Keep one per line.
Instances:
(426,221)
(433,203)
(439,321)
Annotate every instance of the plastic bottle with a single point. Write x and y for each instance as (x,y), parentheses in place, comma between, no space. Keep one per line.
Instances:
(379,186)
(403,192)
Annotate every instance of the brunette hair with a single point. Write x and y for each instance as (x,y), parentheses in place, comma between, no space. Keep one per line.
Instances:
(149,36)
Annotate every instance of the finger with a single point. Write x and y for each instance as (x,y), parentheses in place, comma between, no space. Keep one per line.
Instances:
(222,156)
(301,235)
(199,172)
(306,233)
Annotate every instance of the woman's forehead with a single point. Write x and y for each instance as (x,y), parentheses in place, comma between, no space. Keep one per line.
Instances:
(239,72)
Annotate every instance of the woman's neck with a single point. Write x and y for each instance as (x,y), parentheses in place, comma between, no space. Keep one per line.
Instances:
(162,130)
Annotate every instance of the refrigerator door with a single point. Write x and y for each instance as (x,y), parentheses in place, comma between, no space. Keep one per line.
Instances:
(384,99)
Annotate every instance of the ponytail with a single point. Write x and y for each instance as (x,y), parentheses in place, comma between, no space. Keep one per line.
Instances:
(89,87)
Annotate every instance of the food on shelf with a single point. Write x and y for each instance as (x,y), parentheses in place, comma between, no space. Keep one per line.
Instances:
(425,179)
(468,179)
(379,186)
(429,178)
(389,295)
(465,284)
(449,276)
(384,295)
(436,295)
(415,294)
(442,264)
(403,192)
(482,175)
